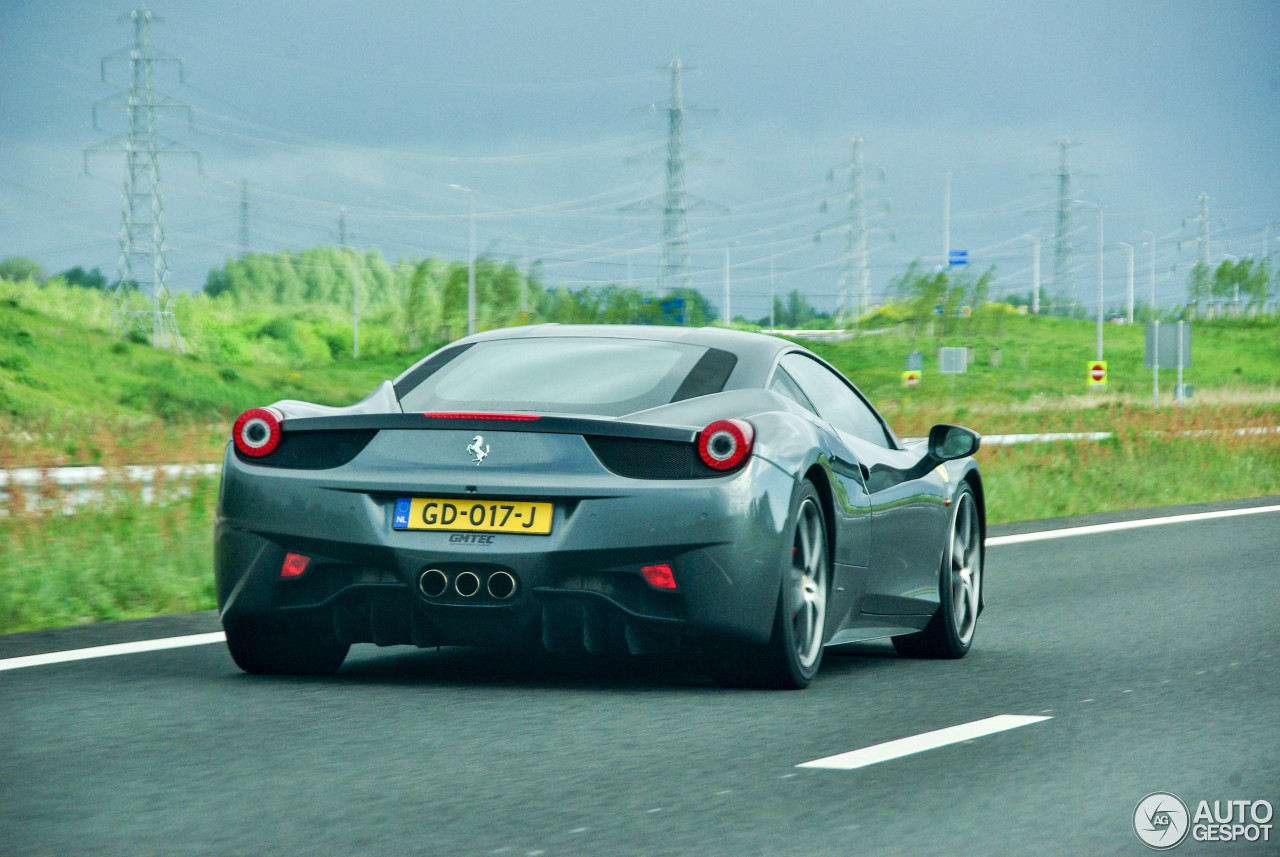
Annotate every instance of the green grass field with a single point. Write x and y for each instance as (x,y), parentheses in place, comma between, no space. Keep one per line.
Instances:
(119,558)
(76,394)
(1039,384)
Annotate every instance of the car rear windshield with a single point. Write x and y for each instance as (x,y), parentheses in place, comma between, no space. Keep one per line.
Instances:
(574,375)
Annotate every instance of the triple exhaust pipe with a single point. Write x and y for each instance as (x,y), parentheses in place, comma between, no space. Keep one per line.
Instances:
(434,583)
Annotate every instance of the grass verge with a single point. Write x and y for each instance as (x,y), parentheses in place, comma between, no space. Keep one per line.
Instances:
(120,558)
(1133,470)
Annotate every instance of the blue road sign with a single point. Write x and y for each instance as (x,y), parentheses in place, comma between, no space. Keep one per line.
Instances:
(673,310)
(958,257)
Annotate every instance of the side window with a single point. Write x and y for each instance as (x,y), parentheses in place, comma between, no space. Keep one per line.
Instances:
(785,386)
(835,400)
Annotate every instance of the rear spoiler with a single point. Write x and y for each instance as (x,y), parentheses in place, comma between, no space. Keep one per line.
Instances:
(491,422)
(381,401)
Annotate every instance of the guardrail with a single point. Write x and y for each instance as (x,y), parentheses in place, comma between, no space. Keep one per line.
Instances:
(88,475)
(81,485)
(1093,436)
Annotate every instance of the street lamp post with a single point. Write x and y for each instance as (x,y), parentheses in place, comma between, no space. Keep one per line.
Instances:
(728,314)
(471,265)
(1153,268)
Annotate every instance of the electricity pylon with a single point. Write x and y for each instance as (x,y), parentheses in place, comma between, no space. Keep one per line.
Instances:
(675,270)
(142,263)
(855,270)
(1064,281)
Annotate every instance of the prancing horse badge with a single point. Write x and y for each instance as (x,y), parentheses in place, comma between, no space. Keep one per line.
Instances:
(479,449)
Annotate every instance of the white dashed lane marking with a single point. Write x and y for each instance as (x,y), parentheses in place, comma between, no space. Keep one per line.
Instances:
(920,743)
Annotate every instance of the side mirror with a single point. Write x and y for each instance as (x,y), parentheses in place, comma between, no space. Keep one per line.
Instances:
(947,442)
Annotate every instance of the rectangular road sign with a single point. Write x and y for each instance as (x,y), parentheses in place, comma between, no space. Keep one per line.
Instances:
(951,361)
(915,362)
(958,257)
(1166,348)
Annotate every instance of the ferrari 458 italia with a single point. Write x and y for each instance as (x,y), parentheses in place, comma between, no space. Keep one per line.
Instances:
(600,489)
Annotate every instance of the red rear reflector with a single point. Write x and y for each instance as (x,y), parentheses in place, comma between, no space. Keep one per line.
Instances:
(294,565)
(659,576)
(455,415)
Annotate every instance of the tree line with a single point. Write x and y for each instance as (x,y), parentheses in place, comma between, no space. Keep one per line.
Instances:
(298,306)
(1245,280)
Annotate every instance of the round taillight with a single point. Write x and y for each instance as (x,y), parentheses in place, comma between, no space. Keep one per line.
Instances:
(257,432)
(725,444)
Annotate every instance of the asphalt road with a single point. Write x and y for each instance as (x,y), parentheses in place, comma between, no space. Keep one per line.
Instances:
(1153,652)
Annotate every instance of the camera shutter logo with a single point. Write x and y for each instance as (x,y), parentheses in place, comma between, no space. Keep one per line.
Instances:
(1161,820)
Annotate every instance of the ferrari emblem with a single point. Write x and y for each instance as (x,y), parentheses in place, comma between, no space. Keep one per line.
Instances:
(479,449)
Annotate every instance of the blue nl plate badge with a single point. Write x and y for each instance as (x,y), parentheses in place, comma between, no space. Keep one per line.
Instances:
(401,521)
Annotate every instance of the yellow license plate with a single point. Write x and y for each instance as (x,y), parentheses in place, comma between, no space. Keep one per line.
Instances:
(472,516)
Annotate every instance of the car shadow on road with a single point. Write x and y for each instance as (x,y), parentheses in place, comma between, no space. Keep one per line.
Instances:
(496,668)
(483,667)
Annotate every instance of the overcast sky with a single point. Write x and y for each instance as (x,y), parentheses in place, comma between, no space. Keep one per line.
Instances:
(380,106)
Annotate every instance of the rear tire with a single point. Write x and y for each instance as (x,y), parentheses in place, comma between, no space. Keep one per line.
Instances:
(790,660)
(285,646)
(949,633)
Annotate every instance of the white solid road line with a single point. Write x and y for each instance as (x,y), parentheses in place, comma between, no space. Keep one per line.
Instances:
(920,743)
(995,541)
(108,651)
(1094,529)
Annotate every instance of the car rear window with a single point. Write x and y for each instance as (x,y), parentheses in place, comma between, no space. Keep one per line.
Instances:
(577,375)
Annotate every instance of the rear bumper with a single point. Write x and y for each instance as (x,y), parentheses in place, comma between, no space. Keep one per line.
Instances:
(578,588)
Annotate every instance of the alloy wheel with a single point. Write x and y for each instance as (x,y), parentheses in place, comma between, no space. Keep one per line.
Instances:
(965,567)
(808,582)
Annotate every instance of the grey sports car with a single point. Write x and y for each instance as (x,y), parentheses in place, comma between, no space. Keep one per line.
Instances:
(600,489)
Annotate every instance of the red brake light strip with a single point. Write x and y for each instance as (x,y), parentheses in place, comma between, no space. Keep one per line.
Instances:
(452,415)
